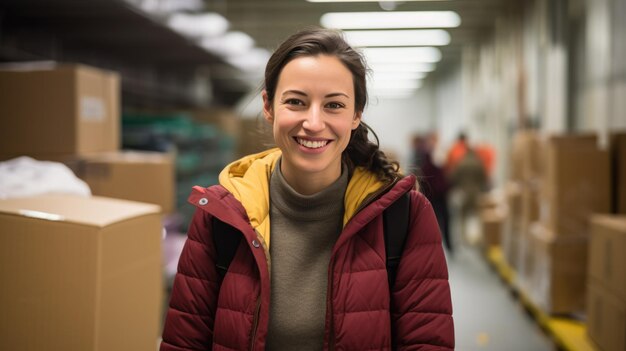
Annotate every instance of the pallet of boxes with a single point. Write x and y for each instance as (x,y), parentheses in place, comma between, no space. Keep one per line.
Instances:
(606,284)
(85,272)
(521,193)
(564,180)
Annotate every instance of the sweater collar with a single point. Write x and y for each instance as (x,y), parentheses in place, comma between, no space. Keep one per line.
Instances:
(292,204)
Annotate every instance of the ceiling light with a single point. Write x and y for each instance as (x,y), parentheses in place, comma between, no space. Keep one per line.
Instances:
(230,44)
(367,0)
(390,94)
(395,84)
(396,19)
(401,67)
(198,25)
(402,55)
(383,76)
(253,60)
(167,6)
(411,37)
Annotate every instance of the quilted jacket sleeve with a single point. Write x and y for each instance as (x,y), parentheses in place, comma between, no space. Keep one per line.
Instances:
(190,316)
(421,303)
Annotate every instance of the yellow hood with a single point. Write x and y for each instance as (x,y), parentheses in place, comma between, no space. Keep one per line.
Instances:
(248,180)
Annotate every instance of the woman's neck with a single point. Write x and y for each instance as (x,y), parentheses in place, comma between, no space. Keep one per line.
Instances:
(311,182)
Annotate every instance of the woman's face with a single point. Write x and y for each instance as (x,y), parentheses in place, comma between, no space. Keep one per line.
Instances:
(312,114)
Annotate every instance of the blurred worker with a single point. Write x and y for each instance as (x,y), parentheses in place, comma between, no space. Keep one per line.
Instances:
(321,196)
(469,180)
(433,182)
(456,153)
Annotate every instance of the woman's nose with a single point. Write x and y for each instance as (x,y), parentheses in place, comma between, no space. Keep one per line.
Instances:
(314,121)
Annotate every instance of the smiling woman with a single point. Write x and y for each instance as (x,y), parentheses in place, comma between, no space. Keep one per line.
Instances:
(312,120)
(321,282)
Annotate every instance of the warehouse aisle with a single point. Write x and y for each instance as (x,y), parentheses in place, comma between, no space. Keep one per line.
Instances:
(487,316)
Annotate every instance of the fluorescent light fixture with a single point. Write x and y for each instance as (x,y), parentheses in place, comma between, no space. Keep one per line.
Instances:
(395,84)
(385,76)
(411,37)
(367,0)
(388,20)
(401,67)
(253,60)
(167,6)
(230,44)
(402,55)
(198,25)
(390,94)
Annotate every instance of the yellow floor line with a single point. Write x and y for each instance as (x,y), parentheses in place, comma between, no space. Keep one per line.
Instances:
(569,334)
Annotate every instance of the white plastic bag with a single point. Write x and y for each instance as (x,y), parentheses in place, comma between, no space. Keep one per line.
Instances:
(25,176)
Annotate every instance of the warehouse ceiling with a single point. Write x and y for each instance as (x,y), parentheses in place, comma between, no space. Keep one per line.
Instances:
(157,62)
(271,21)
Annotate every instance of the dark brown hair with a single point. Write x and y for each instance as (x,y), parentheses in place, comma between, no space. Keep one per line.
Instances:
(360,152)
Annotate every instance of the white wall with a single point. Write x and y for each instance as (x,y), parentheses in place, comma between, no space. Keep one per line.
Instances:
(396,120)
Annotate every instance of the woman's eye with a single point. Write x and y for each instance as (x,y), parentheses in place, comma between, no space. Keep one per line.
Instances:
(296,102)
(334,105)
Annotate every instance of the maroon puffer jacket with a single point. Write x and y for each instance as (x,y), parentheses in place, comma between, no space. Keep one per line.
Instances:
(359,311)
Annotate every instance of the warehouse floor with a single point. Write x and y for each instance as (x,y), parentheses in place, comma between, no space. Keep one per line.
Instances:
(486,315)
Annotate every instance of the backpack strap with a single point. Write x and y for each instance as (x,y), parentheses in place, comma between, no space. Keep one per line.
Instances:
(395,224)
(226,240)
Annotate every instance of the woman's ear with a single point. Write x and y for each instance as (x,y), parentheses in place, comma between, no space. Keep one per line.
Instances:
(357,120)
(268,113)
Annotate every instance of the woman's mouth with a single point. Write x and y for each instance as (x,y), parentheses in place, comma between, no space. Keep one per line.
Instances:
(312,144)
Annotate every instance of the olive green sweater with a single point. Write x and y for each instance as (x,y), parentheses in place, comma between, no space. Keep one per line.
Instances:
(304,229)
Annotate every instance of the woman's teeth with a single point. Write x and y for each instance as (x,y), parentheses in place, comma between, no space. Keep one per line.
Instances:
(312,144)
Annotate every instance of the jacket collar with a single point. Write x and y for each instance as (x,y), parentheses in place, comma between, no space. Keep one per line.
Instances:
(248,180)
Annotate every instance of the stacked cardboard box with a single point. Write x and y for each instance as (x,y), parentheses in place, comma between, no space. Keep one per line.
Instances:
(576,184)
(138,176)
(81,273)
(68,109)
(512,223)
(556,274)
(606,307)
(492,223)
(526,171)
(70,114)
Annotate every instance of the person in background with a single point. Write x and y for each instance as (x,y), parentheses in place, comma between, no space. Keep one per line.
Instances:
(310,270)
(456,153)
(433,183)
(469,181)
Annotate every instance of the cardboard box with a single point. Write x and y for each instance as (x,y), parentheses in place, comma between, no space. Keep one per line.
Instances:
(84,273)
(559,273)
(526,259)
(69,109)
(492,222)
(137,176)
(607,253)
(530,205)
(512,224)
(527,156)
(577,183)
(606,318)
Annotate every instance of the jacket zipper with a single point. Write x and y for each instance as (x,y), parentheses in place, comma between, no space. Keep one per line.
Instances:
(255,323)
(257,310)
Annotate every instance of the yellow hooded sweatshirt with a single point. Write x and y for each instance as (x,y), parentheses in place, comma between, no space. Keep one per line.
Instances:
(248,180)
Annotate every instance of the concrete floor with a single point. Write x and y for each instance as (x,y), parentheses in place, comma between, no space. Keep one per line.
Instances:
(487,316)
